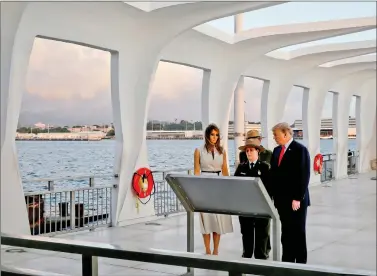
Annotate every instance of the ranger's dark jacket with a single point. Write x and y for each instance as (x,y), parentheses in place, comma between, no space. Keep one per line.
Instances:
(260,170)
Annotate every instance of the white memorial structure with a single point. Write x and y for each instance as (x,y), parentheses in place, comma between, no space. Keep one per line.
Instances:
(139,35)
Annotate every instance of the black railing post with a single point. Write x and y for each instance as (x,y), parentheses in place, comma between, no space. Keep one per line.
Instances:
(190,238)
(233,273)
(89,265)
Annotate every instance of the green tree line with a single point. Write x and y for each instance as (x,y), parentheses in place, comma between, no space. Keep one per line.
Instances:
(38,130)
(181,125)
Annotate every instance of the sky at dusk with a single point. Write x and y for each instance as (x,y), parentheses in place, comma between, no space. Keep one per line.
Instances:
(69,84)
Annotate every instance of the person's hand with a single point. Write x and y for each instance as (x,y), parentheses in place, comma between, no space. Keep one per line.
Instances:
(295,205)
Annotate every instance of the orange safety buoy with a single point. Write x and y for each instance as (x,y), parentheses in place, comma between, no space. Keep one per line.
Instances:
(318,163)
(143,184)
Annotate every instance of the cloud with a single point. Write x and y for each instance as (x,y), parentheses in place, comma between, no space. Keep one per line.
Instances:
(63,71)
(173,81)
(35,108)
(176,93)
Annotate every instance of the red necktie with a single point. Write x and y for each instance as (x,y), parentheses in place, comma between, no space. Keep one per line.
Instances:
(281,154)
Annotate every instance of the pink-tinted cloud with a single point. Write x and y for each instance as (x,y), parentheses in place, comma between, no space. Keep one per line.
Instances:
(172,80)
(64,71)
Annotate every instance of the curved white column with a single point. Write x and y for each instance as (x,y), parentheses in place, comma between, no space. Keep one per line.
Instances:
(134,102)
(274,106)
(223,83)
(367,148)
(340,130)
(115,102)
(205,97)
(313,102)
(239,118)
(15,51)
(239,102)
(219,104)
(11,14)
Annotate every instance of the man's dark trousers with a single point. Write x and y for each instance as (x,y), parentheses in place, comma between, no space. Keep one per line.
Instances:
(261,226)
(293,233)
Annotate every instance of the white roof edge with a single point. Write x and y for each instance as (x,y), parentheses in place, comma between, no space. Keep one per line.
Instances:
(144,6)
(330,47)
(215,33)
(306,27)
(163,4)
(358,59)
(278,54)
(149,6)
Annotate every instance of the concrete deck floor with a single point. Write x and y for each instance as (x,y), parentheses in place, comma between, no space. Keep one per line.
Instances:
(341,231)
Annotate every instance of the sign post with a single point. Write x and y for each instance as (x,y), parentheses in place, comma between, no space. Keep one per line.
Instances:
(230,195)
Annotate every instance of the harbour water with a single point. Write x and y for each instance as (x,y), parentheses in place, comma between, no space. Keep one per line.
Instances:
(55,159)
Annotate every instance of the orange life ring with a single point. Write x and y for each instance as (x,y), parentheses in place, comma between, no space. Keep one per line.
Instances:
(318,163)
(143,184)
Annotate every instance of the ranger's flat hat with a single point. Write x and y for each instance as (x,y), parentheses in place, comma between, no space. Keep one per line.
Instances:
(251,144)
(253,134)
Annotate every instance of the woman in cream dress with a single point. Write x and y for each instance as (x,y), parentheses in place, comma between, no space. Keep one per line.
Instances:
(211,159)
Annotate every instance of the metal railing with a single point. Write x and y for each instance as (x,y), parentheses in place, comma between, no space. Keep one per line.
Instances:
(66,204)
(328,167)
(165,200)
(62,208)
(7,270)
(90,252)
(352,167)
(329,163)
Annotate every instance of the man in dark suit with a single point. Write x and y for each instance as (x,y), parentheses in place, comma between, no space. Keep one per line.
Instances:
(249,225)
(289,176)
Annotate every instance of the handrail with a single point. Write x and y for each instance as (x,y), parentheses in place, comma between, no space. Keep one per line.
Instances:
(235,267)
(77,177)
(69,190)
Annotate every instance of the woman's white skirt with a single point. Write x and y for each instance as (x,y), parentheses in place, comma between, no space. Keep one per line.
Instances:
(218,223)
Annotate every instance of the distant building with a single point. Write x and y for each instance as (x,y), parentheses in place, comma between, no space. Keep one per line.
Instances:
(326,123)
(326,127)
(247,127)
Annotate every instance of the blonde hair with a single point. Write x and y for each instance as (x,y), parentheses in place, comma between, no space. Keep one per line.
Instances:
(283,127)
